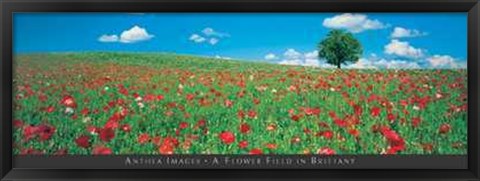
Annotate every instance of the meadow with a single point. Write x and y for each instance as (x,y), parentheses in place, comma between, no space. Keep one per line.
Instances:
(153,103)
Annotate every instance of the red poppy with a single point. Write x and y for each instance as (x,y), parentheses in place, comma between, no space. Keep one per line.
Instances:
(168,146)
(201,122)
(307,131)
(332,115)
(243,144)
(172,105)
(296,139)
(391,117)
(93,129)
(271,127)
(84,111)
(68,101)
(17,123)
(106,134)
(42,98)
(190,97)
(160,97)
(228,103)
(126,128)
(326,151)
(296,117)
(227,137)
(31,151)
(143,138)
(323,125)
(101,150)
(241,114)
(328,134)
(241,94)
(256,101)
(171,141)
(416,121)
(156,140)
(252,114)
(357,110)
(29,132)
(255,151)
(444,128)
(169,113)
(149,97)
(376,128)
(340,122)
(136,95)
(244,128)
(404,103)
(61,152)
(354,132)
(83,141)
(166,149)
(49,109)
(428,147)
(45,132)
(396,142)
(183,125)
(271,146)
(312,111)
(375,111)
(241,83)
(111,124)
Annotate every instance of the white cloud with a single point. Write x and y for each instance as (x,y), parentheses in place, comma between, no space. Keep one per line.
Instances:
(445,61)
(433,62)
(297,58)
(213,41)
(108,38)
(208,31)
(354,23)
(291,62)
(403,49)
(292,54)
(362,64)
(375,63)
(311,55)
(221,57)
(397,64)
(399,32)
(311,59)
(293,57)
(135,34)
(211,32)
(197,38)
(208,35)
(271,56)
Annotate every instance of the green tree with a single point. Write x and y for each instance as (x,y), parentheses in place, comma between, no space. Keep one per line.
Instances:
(339,48)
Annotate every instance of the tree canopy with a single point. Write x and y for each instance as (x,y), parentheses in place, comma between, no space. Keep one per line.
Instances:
(340,47)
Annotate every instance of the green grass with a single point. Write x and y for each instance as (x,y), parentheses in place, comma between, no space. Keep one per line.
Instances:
(93,80)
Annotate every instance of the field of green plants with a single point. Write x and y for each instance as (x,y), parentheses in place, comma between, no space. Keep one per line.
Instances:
(125,103)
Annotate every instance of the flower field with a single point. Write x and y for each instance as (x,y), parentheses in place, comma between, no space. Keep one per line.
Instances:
(123,103)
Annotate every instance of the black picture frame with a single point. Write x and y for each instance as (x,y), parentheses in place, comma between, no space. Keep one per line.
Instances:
(8,7)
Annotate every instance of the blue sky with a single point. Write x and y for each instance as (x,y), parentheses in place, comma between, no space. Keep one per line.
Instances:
(390,40)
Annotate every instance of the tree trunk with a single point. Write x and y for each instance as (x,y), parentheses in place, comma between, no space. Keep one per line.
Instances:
(339,65)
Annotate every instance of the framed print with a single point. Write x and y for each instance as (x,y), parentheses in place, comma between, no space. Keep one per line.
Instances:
(240,90)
